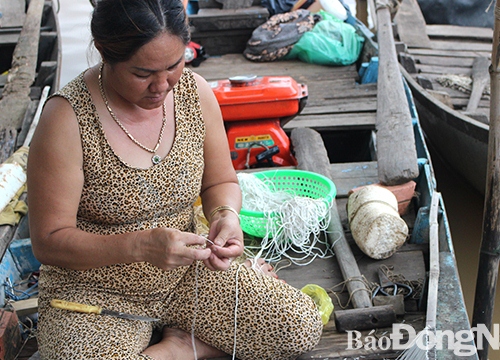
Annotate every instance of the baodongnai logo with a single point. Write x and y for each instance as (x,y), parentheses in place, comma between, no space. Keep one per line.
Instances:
(404,336)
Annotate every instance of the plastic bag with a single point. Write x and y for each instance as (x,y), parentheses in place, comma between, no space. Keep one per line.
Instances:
(330,42)
(322,300)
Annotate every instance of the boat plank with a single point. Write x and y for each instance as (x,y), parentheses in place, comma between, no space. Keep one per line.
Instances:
(460,103)
(448,52)
(15,96)
(214,19)
(356,91)
(444,60)
(12,13)
(394,120)
(341,106)
(348,176)
(325,122)
(411,24)
(222,67)
(460,45)
(7,143)
(321,91)
(451,318)
(440,70)
(455,31)
(454,93)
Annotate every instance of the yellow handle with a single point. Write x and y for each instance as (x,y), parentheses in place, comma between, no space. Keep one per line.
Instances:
(72,306)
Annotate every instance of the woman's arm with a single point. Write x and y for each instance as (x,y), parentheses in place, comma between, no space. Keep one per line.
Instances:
(55,181)
(220,183)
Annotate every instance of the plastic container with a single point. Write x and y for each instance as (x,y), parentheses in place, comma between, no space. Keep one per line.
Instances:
(297,182)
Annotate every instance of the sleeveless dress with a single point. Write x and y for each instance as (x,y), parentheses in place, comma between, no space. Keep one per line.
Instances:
(118,198)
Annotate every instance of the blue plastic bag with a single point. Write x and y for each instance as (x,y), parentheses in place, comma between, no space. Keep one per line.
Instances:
(330,42)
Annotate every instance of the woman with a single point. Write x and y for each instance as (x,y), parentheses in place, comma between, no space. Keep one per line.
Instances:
(119,158)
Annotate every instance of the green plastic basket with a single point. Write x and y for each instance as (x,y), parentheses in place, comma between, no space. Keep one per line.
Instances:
(297,182)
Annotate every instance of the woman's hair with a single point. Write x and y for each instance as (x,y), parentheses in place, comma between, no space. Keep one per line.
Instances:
(121,27)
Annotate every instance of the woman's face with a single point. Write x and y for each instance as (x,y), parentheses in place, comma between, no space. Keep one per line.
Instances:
(151,73)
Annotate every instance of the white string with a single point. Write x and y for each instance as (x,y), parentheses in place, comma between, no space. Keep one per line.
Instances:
(195,311)
(236,310)
(294,224)
(193,343)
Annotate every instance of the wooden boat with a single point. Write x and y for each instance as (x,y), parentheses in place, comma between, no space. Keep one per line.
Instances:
(340,119)
(344,112)
(30,61)
(451,94)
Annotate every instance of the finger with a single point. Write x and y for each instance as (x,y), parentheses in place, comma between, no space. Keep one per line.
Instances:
(209,265)
(194,254)
(219,263)
(231,250)
(193,239)
(226,252)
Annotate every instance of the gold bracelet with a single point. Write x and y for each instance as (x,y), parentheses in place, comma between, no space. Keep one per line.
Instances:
(221,208)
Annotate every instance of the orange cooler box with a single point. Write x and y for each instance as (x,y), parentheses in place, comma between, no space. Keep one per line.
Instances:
(254,110)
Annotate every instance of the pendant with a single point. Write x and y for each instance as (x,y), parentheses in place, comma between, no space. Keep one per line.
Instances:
(156,159)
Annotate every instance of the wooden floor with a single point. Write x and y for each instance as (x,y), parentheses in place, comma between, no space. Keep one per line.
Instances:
(335,100)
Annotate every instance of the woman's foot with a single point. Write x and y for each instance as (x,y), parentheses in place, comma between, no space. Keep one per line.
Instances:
(177,344)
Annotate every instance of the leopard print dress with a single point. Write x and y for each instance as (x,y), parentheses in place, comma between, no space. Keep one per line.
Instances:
(273,319)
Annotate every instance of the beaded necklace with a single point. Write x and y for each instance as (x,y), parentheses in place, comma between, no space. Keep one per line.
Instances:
(155,159)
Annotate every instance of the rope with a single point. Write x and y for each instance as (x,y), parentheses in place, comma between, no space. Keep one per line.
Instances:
(416,285)
(278,268)
(21,290)
(369,287)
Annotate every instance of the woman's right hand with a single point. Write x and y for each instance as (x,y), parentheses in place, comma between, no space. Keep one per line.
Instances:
(169,249)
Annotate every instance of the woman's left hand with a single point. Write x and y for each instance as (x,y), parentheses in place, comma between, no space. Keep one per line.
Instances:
(227,238)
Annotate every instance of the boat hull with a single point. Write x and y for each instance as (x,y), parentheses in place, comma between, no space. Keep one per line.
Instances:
(459,140)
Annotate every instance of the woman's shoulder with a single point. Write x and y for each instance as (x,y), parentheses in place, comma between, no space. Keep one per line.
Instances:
(190,76)
(73,87)
(193,84)
(74,94)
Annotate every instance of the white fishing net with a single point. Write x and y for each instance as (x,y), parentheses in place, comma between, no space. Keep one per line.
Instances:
(295,225)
